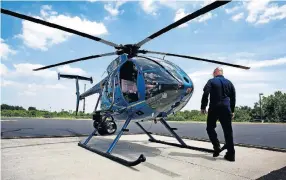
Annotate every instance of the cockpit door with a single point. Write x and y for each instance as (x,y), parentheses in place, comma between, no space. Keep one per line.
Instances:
(129,82)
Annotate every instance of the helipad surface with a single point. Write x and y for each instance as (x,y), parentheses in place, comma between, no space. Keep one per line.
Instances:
(62,158)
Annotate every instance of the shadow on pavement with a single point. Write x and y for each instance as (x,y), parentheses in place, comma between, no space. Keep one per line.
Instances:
(279,174)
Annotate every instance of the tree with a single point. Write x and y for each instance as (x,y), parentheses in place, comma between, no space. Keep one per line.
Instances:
(32,109)
(8,107)
(274,106)
(242,113)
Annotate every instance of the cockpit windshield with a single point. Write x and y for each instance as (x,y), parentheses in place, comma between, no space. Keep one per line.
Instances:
(157,80)
(171,69)
(152,71)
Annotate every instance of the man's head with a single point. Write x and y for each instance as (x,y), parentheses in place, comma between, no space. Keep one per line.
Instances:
(217,71)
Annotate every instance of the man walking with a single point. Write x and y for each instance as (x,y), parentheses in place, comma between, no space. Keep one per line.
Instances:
(221,106)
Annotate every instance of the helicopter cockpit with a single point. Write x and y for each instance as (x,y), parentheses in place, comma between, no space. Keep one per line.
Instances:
(128,81)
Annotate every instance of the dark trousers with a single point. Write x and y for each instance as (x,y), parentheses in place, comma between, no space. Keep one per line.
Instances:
(223,113)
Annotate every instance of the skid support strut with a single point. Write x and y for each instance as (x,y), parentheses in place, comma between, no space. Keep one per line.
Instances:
(108,154)
(181,144)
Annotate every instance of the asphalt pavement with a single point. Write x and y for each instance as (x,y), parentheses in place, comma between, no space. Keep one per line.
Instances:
(257,134)
(61,158)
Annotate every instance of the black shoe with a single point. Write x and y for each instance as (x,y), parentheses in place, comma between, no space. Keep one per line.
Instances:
(229,157)
(217,150)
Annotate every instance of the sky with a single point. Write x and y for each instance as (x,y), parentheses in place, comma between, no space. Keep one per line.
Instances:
(250,33)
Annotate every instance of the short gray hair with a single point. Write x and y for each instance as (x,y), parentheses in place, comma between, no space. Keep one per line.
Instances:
(219,69)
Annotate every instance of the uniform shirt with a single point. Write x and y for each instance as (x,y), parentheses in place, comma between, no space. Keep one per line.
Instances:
(221,91)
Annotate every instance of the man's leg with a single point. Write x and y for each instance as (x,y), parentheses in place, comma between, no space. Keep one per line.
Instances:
(226,123)
(211,125)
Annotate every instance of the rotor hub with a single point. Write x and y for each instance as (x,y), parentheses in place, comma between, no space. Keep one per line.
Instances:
(129,49)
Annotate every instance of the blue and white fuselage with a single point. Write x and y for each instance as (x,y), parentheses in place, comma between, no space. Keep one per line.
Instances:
(142,87)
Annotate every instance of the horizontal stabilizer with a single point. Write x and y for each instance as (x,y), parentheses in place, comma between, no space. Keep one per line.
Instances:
(68,76)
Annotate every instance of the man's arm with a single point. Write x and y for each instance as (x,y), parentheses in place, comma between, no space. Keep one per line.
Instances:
(232,98)
(205,96)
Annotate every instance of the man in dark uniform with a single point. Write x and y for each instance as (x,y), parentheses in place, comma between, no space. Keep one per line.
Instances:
(222,104)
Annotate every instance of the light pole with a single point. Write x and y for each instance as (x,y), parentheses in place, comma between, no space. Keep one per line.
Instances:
(260,94)
(84,99)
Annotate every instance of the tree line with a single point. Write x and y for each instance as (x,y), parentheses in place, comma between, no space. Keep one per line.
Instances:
(18,111)
(273,110)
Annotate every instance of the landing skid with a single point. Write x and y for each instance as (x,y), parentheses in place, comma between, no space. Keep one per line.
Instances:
(108,154)
(179,139)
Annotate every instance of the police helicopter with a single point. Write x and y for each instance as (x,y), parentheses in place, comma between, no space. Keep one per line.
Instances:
(137,87)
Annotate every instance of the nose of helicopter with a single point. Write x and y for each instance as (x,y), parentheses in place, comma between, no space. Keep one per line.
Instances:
(188,86)
(187,91)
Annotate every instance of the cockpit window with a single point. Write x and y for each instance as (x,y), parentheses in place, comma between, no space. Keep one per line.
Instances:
(171,69)
(128,86)
(113,65)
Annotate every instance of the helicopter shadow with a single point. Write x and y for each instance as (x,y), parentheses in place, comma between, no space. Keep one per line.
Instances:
(130,150)
(192,155)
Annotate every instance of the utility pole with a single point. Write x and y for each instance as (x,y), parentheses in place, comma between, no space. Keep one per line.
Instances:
(260,94)
(84,99)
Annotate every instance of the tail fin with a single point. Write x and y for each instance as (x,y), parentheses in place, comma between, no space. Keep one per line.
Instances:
(76,77)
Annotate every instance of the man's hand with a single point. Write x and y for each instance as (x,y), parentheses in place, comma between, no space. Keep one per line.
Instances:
(203,111)
(232,115)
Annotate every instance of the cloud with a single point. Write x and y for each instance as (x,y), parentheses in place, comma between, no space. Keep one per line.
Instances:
(20,87)
(262,11)
(248,83)
(180,14)
(113,8)
(207,2)
(37,36)
(92,0)
(26,70)
(26,89)
(27,93)
(3,69)
(232,10)
(204,17)
(272,13)
(152,7)
(254,8)
(237,17)
(149,6)
(5,50)
(69,70)
(268,63)
(5,83)
(45,95)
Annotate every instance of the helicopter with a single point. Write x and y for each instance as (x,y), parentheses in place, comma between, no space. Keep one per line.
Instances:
(137,87)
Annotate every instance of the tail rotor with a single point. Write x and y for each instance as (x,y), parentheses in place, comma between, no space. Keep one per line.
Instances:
(76,77)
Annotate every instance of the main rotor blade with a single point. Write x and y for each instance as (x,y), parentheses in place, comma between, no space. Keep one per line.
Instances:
(76,60)
(185,19)
(194,58)
(39,21)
